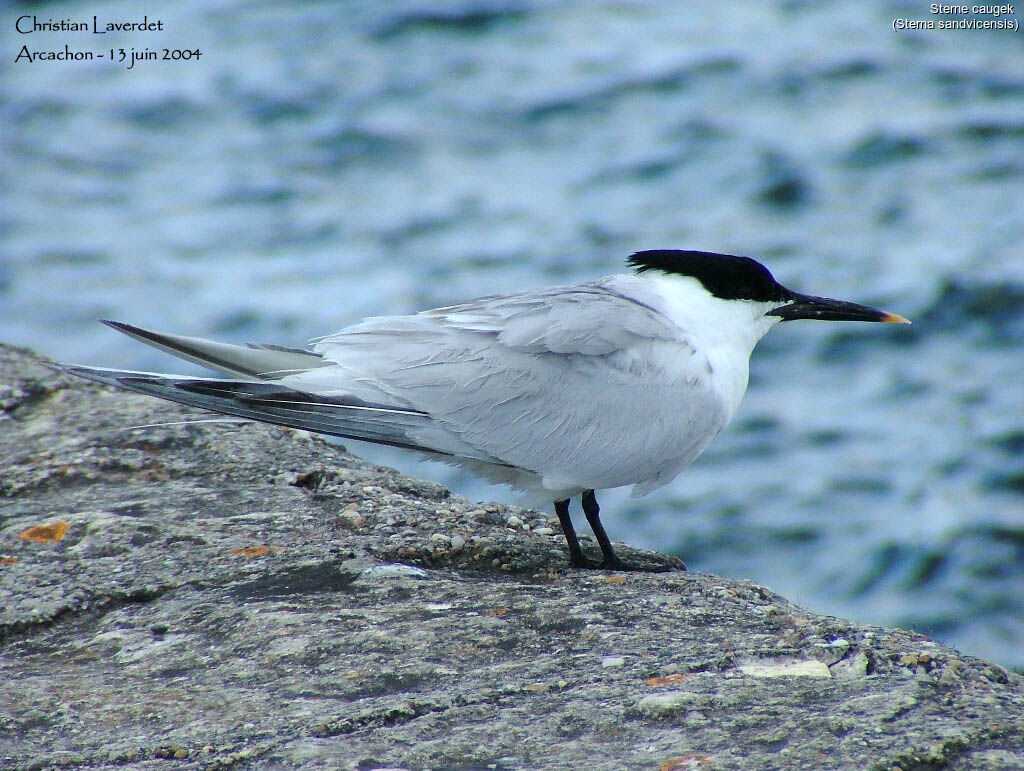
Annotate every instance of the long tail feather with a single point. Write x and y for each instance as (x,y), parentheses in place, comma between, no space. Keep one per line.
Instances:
(343,416)
(259,361)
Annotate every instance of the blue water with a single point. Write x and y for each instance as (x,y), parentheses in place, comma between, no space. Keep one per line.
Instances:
(321,162)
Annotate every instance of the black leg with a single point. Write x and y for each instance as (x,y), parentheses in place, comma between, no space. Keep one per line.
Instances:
(576,558)
(593,512)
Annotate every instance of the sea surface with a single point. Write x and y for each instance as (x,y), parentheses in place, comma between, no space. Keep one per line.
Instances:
(320,162)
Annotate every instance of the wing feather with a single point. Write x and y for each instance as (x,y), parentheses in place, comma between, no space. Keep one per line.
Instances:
(343,416)
(261,361)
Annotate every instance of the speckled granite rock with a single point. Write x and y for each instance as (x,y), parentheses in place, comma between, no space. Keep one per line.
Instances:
(219,595)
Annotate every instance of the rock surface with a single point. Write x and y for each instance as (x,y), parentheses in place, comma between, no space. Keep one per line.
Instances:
(224,594)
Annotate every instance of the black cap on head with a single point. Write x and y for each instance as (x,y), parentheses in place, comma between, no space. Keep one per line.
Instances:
(726,276)
(729,277)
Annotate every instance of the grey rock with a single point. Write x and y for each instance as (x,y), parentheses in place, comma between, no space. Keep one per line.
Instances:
(244,595)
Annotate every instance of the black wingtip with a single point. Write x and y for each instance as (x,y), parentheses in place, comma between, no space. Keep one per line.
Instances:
(56,366)
(118,325)
(137,332)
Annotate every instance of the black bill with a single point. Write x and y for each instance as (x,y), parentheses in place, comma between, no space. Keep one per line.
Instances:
(805,306)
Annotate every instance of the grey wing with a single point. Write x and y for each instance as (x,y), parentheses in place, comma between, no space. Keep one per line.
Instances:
(589,319)
(343,415)
(261,361)
(568,383)
(272,397)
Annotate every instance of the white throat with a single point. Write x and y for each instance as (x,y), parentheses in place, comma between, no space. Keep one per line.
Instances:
(724,332)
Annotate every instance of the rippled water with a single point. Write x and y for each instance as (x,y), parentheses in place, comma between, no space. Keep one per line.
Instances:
(323,162)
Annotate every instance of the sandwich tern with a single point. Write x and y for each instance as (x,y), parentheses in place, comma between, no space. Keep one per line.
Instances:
(558,392)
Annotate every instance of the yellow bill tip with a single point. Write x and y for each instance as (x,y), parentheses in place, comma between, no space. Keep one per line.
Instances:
(894,318)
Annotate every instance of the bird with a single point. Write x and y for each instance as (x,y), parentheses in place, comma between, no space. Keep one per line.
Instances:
(559,392)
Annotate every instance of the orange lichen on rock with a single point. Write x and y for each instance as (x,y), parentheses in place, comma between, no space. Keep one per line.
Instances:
(684,762)
(252,551)
(657,682)
(45,533)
